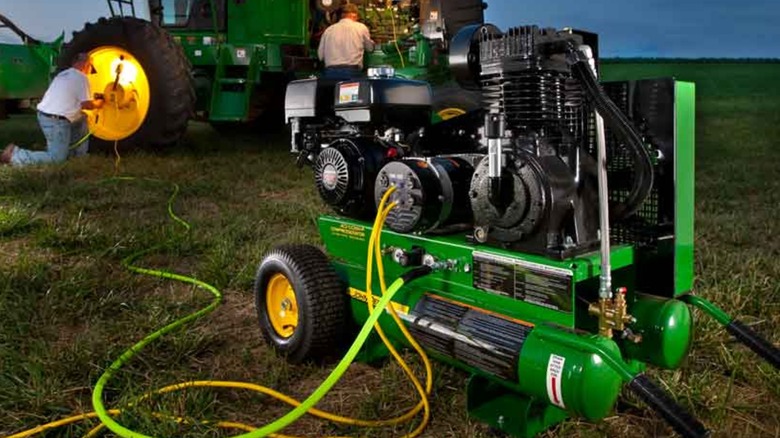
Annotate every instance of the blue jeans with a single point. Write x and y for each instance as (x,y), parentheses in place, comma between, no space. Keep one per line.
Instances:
(342,74)
(60,134)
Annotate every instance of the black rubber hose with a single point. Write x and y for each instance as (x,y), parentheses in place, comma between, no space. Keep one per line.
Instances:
(643,179)
(416,273)
(759,345)
(683,423)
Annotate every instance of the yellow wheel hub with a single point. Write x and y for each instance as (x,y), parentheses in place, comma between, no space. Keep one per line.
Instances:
(281,306)
(122,80)
(450,113)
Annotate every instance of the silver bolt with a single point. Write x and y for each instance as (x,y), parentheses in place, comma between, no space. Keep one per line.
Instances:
(481,234)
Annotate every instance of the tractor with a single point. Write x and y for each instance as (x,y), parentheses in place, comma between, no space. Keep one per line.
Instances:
(228,62)
(25,68)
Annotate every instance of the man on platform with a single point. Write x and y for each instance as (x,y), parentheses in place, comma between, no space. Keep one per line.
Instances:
(343,45)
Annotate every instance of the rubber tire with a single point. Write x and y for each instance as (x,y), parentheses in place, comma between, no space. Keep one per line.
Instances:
(453,96)
(172,99)
(322,303)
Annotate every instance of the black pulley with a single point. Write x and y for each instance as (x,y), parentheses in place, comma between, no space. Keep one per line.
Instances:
(527,203)
(430,193)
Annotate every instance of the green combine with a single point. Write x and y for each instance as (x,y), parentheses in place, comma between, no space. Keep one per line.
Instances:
(228,62)
(25,68)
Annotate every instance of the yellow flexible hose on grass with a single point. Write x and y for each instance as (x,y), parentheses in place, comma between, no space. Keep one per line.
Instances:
(373,248)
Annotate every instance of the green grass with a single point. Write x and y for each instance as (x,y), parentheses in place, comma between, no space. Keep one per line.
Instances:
(67,308)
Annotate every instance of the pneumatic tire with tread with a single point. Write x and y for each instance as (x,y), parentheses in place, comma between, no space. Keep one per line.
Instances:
(172,95)
(321,299)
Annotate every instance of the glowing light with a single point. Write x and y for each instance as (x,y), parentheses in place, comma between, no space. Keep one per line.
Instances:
(118,122)
(128,74)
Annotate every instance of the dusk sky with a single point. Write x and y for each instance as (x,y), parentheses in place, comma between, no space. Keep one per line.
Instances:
(656,28)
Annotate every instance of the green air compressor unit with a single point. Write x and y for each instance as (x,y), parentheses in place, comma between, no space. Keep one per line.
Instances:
(554,226)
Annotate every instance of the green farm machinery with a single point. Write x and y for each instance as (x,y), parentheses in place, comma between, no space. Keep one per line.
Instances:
(228,62)
(542,243)
(25,69)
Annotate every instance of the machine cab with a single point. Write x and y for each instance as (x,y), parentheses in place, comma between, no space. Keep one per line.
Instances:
(241,21)
(193,15)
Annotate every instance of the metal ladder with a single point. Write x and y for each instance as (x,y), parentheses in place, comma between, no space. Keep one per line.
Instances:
(120,8)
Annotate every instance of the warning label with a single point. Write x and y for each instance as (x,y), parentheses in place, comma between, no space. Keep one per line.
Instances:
(554,376)
(530,282)
(349,93)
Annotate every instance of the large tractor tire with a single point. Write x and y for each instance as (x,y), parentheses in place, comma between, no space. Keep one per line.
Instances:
(302,306)
(145,78)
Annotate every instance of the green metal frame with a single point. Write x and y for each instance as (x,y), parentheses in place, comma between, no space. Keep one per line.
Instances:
(684,176)
(234,60)
(26,69)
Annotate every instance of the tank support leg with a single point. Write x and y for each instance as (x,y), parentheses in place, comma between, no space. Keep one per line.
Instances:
(508,411)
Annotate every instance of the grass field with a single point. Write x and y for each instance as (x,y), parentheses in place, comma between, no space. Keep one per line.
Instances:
(67,307)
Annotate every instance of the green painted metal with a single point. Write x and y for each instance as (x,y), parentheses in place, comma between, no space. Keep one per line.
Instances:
(587,344)
(589,384)
(509,411)
(684,177)
(26,69)
(347,241)
(591,366)
(240,48)
(666,327)
(268,22)
(709,308)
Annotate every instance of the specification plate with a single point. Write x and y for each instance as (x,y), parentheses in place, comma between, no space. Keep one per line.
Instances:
(525,281)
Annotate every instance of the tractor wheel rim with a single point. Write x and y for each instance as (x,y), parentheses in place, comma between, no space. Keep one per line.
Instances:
(121,78)
(281,306)
(450,113)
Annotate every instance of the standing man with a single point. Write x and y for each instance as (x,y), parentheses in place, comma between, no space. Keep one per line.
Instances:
(60,117)
(343,45)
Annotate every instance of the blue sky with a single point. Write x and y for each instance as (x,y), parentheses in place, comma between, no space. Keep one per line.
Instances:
(663,28)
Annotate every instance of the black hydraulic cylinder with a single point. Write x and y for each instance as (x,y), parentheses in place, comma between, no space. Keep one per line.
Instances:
(683,422)
(755,342)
